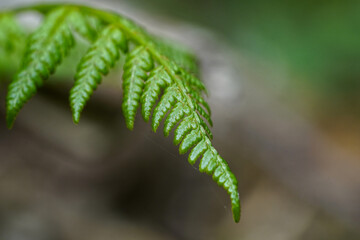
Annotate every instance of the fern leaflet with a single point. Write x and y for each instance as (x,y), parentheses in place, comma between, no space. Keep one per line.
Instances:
(45,49)
(101,56)
(137,64)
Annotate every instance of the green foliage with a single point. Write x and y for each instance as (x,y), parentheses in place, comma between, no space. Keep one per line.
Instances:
(45,50)
(137,64)
(98,60)
(158,76)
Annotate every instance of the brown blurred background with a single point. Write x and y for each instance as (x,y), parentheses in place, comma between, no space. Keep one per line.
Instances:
(284,83)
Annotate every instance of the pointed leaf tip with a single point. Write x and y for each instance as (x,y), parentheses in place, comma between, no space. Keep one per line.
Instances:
(76,117)
(236,210)
(236,215)
(130,125)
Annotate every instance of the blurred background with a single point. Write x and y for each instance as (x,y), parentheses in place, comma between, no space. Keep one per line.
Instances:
(284,83)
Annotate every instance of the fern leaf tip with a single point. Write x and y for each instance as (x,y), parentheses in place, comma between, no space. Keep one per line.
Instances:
(11,113)
(236,216)
(236,210)
(130,125)
(76,117)
(146,116)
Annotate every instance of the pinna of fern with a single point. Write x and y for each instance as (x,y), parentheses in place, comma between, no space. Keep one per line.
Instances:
(158,78)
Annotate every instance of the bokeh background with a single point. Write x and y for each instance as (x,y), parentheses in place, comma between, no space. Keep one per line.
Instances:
(284,83)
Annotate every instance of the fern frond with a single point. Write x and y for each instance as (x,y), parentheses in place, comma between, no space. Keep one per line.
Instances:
(192,132)
(97,62)
(158,76)
(137,64)
(46,47)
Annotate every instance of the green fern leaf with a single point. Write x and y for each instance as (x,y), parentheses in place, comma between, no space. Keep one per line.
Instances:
(176,114)
(97,62)
(45,49)
(137,64)
(184,127)
(159,78)
(171,95)
(192,132)
(189,140)
(197,151)
(171,90)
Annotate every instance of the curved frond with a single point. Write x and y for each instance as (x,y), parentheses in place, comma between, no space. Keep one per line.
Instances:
(192,132)
(159,76)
